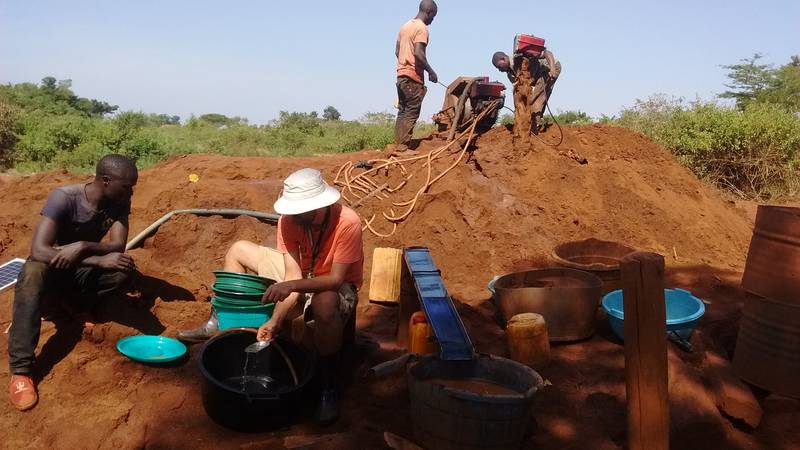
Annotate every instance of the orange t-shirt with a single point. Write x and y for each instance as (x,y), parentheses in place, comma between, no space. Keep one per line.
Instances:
(342,243)
(412,32)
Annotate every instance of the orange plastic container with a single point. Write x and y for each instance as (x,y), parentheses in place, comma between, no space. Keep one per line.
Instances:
(527,339)
(421,340)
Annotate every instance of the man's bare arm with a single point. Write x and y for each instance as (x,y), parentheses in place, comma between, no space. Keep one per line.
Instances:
(551,62)
(43,248)
(422,59)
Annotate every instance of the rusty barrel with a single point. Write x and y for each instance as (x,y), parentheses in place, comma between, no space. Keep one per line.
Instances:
(448,413)
(773,262)
(767,346)
(769,333)
(566,298)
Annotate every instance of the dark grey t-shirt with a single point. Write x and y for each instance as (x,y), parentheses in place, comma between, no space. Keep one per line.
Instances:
(76,219)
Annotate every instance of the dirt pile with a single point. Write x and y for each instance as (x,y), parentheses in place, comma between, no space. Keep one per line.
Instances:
(501,211)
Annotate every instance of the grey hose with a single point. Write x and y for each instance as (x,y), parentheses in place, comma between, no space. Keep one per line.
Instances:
(133,243)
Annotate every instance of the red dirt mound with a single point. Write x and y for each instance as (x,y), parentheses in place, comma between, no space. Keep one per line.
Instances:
(502,210)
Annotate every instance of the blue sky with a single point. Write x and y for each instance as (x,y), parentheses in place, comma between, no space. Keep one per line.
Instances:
(256,58)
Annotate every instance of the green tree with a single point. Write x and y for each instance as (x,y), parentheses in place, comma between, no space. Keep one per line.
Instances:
(751,82)
(304,122)
(571,118)
(54,97)
(221,120)
(383,118)
(330,113)
(165,119)
(218,120)
(786,89)
(748,79)
(9,127)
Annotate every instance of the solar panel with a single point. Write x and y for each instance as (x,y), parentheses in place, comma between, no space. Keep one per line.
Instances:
(9,272)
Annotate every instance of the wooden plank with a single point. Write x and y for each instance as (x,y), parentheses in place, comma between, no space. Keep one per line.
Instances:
(384,283)
(409,304)
(645,351)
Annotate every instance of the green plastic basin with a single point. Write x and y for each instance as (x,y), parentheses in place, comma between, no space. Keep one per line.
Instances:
(242,279)
(226,295)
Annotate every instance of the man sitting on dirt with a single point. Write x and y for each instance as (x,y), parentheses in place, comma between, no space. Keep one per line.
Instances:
(67,254)
(412,63)
(544,71)
(318,260)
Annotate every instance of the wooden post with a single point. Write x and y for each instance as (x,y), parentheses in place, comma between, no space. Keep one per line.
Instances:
(645,351)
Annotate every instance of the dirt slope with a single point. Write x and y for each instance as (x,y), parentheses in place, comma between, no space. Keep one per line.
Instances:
(501,211)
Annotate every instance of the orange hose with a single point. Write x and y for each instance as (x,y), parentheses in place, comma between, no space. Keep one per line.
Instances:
(361,181)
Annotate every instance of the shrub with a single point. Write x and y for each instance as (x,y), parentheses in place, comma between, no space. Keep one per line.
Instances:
(44,136)
(83,158)
(754,152)
(9,127)
(569,118)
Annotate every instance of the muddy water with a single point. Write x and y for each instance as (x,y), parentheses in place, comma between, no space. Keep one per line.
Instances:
(594,259)
(475,385)
(551,281)
(523,104)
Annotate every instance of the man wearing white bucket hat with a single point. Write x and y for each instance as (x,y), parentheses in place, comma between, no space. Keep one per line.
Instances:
(318,260)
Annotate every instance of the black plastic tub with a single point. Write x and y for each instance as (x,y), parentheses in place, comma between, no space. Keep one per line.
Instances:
(256,404)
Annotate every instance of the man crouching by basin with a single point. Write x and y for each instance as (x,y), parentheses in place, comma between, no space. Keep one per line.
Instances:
(318,261)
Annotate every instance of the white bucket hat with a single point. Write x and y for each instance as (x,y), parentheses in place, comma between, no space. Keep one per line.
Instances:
(304,191)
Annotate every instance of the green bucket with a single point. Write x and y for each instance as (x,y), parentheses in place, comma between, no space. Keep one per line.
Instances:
(241,280)
(228,296)
(230,316)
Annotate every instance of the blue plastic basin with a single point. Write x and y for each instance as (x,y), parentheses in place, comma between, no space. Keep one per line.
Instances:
(683,311)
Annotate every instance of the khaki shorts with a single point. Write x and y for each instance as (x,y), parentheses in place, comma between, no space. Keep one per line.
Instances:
(271,266)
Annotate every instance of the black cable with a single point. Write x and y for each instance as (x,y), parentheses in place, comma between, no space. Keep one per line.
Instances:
(560,131)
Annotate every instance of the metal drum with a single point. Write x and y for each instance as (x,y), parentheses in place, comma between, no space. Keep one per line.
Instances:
(566,298)
(769,334)
(767,352)
(773,262)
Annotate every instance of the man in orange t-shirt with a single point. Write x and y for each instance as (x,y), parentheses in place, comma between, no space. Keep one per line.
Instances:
(318,261)
(412,63)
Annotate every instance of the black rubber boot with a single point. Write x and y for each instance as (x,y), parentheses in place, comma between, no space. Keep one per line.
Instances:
(328,408)
(202,333)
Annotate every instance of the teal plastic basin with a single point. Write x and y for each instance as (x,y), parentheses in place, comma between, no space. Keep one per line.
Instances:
(231,316)
(151,349)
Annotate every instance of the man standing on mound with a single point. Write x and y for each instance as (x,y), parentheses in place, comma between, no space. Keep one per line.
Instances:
(544,71)
(67,254)
(319,265)
(412,63)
